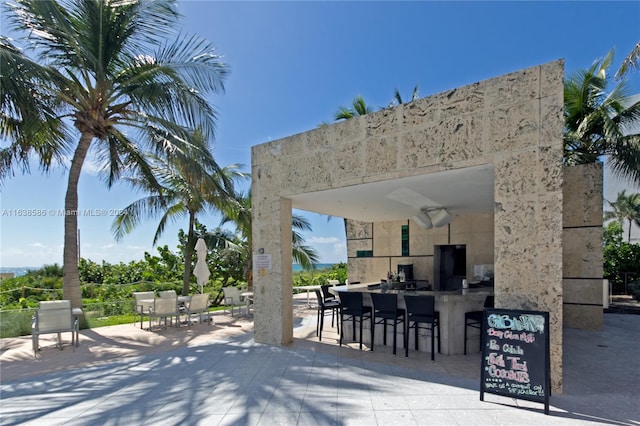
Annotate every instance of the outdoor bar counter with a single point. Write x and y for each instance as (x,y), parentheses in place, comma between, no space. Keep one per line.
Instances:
(451,304)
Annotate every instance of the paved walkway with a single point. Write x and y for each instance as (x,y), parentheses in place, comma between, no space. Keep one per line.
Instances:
(217,375)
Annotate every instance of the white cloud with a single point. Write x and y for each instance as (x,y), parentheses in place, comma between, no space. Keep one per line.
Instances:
(30,255)
(322,240)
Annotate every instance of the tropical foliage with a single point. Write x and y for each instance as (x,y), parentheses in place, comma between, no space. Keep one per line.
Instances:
(188,186)
(358,107)
(626,208)
(630,62)
(240,215)
(397,98)
(116,75)
(599,120)
(621,259)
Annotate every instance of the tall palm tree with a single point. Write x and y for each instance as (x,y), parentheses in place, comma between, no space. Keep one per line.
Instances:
(240,214)
(625,208)
(119,72)
(599,121)
(187,188)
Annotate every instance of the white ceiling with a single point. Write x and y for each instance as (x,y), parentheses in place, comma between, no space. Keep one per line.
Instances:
(466,190)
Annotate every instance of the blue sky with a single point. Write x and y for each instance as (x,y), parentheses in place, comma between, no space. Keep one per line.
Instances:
(294,63)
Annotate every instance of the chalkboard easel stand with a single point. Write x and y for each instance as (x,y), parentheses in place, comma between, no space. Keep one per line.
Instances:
(515,355)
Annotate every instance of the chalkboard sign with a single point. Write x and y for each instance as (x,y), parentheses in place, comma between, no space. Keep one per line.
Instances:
(515,355)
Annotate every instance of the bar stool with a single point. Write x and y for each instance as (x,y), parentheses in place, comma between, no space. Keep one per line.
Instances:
(323,307)
(473,319)
(327,294)
(421,310)
(385,308)
(352,306)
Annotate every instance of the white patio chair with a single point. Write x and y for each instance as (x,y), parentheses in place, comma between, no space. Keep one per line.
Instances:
(199,304)
(54,317)
(143,301)
(232,299)
(163,308)
(167,294)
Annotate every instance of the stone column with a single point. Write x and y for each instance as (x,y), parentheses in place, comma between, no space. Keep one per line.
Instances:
(273,287)
(528,199)
(582,247)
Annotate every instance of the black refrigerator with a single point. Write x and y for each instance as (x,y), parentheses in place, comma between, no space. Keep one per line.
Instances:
(449,266)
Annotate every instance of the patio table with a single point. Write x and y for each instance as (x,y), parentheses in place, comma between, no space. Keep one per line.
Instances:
(308,288)
(248,297)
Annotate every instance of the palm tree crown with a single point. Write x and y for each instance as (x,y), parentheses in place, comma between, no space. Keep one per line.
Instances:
(188,186)
(625,208)
(598,121)
(239,213)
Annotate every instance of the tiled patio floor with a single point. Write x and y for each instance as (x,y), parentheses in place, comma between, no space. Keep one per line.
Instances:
(209,375)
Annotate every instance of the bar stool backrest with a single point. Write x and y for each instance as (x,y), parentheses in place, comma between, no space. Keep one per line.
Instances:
(489,301)
(351,302)
(384,302)
(326,293)
(420,308)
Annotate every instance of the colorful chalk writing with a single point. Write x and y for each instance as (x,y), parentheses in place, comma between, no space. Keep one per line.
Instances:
(515,355)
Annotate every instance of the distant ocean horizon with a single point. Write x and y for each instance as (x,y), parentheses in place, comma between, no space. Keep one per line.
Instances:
(297,267)
(19,271)
(22,270)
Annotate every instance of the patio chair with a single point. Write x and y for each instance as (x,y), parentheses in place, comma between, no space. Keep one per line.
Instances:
(167,294)
(143,301)
(199,304)
(54,317)
(232,299)
(352,307)
(421,310)
(473,319)
(163,308)
(326,293)
(385,308)
(325,306)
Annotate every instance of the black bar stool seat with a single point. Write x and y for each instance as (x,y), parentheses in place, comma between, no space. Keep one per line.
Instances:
(385,308)
(473,319)
(352,309)
(421,310)
(325,306)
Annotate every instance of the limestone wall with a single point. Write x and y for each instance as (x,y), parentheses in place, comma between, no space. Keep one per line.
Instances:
(582,247)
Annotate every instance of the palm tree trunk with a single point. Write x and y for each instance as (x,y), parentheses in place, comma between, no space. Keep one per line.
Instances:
(188,254)
(71,275)
(629,236)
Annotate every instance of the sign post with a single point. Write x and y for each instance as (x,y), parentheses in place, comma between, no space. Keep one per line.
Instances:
(515,355)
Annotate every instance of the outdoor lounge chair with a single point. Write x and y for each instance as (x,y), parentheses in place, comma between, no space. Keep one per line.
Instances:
(232,299)
(163,308)
(199,304)
(54,317)
(167,294)
(143,301)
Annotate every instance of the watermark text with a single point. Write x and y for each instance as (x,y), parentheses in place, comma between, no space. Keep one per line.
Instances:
(60,212)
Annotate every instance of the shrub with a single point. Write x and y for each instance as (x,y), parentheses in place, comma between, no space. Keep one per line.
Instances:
(15,322)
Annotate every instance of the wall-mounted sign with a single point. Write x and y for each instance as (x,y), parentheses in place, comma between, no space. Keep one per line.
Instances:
(515,355)
(262,261)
